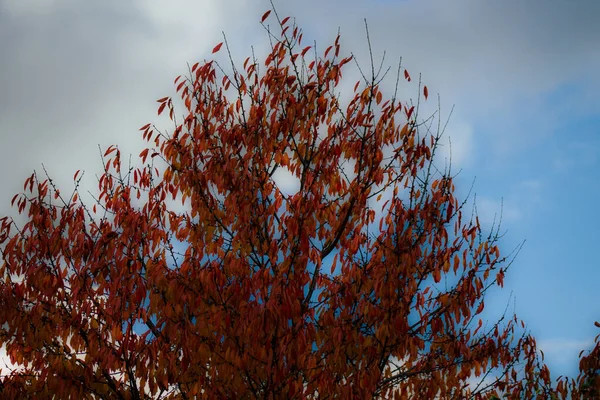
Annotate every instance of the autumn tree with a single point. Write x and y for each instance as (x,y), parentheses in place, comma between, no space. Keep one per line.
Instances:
(587,384)
(367,281)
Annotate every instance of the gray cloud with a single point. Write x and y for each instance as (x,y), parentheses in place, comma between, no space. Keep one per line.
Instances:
(74,74)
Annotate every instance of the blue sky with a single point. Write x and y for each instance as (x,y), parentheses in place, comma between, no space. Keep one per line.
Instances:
(522,77)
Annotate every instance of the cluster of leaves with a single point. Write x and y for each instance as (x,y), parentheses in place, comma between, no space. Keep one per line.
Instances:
(305,295)
(587,385)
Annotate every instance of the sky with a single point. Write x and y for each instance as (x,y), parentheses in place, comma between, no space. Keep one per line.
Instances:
(522,77)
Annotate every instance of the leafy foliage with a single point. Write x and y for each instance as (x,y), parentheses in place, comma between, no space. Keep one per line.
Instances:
(321,293)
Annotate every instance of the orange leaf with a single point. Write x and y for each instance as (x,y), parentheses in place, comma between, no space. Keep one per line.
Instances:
(217,48)
(333,264)
(456,262)
(500,278)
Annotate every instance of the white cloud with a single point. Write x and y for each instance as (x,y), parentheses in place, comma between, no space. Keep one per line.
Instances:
(564,352)
(86,73)
(456,145)
(489,210)
(5,365)
(286,181)
(24,8)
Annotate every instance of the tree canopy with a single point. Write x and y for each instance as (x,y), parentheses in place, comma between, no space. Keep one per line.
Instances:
(368,281)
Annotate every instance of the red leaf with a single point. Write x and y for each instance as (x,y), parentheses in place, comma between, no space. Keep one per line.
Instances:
(162,100)
(406,75)
(425,92)
(144,154)
(161,108)
(305,50)
(75,176)
(143,128)
(265,16)
(109,150)
(480,308)
(479,325)
(286,19)
(345,61)
(597,324)
(217,47)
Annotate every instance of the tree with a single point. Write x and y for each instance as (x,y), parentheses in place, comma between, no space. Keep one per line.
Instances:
(587,385)
(322,293)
